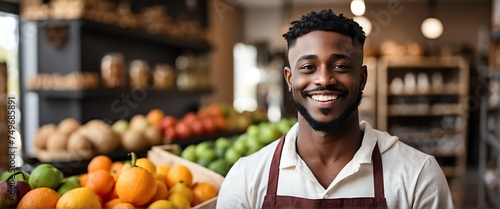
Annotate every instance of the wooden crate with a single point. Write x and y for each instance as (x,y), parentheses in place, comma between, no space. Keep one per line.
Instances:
(163,155)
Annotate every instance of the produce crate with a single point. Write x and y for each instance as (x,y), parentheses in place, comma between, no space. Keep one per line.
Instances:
(163,155)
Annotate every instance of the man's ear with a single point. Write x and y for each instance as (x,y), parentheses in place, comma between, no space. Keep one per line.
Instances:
(287,72)
(364,76)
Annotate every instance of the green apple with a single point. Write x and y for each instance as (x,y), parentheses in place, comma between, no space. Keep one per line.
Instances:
(189,153)
(240,145)
(232,155)
(221,145)
(268,133)
(201,147)
(220,166)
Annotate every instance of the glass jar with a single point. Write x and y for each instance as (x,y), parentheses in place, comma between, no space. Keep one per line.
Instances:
(112,71)
(164,77)
(139,74)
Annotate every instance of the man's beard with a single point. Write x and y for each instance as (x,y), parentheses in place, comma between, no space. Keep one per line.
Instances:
(333,124)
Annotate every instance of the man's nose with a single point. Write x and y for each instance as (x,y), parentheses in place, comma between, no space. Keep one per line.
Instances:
(324,76)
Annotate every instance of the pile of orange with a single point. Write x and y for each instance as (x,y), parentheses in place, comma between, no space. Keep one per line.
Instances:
(139,184)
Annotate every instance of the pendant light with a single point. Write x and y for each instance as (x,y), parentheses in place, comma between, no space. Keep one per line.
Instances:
(432,27)
(358,9)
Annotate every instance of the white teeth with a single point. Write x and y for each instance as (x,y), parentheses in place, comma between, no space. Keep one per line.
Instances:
(324,98)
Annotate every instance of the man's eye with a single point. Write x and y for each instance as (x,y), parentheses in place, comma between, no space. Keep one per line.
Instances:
(341,66)
(308,67)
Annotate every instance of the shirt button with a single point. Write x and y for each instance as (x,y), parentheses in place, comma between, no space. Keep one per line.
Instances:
(326,196)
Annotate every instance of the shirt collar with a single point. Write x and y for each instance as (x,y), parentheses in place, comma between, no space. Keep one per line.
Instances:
(289,156)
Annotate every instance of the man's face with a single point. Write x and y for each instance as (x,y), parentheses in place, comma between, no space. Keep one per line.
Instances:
(326,77)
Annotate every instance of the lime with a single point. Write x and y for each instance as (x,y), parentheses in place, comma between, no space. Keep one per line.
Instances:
(68,184)
(45,175)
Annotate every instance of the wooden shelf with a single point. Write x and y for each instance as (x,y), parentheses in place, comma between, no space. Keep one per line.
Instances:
(96,93)
(430,93)
(134,34)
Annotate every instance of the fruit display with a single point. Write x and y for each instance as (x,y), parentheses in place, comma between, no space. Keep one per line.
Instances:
(136,183)
(208,120)
(70,140)
(221,154)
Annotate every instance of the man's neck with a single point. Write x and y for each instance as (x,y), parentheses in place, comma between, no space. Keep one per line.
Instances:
(329,147)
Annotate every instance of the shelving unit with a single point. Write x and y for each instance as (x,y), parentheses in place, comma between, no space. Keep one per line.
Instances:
(489,145)
(424,101)
(67,46)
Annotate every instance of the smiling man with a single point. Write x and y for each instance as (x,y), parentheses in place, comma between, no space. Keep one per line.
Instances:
(330,159)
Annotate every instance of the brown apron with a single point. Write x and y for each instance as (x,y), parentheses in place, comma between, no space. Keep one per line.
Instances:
(275,201)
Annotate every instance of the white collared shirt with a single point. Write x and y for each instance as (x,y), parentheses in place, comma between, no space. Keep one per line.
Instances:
(412,179)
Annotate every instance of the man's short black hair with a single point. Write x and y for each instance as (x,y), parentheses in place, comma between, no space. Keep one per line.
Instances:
(325,20)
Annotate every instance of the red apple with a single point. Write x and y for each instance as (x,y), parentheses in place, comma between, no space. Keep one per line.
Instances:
(197,127)
(183,130)
(167,121)
(208,125)
(189,117)
(169,134)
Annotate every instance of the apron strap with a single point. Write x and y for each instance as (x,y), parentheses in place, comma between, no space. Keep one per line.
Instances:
(274,170)
(378,176)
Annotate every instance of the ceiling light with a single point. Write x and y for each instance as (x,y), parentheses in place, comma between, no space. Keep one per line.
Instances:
(432,28)
(358,7)
(364,23)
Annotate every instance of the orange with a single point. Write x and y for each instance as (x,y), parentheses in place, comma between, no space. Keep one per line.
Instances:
(125,167)
(112,203)
(100,162)
(116,167)
(124,205)
(82,197)
(161,173)
(161,192)
(146,164)
(100,181)
(83,179)
(135,185)
(203,191)
(178,173)
(154,116)
(41,197)
(110,195)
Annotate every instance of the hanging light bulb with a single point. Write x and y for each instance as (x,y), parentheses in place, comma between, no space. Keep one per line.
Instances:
(358,7)
(364,23)
(432,28)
